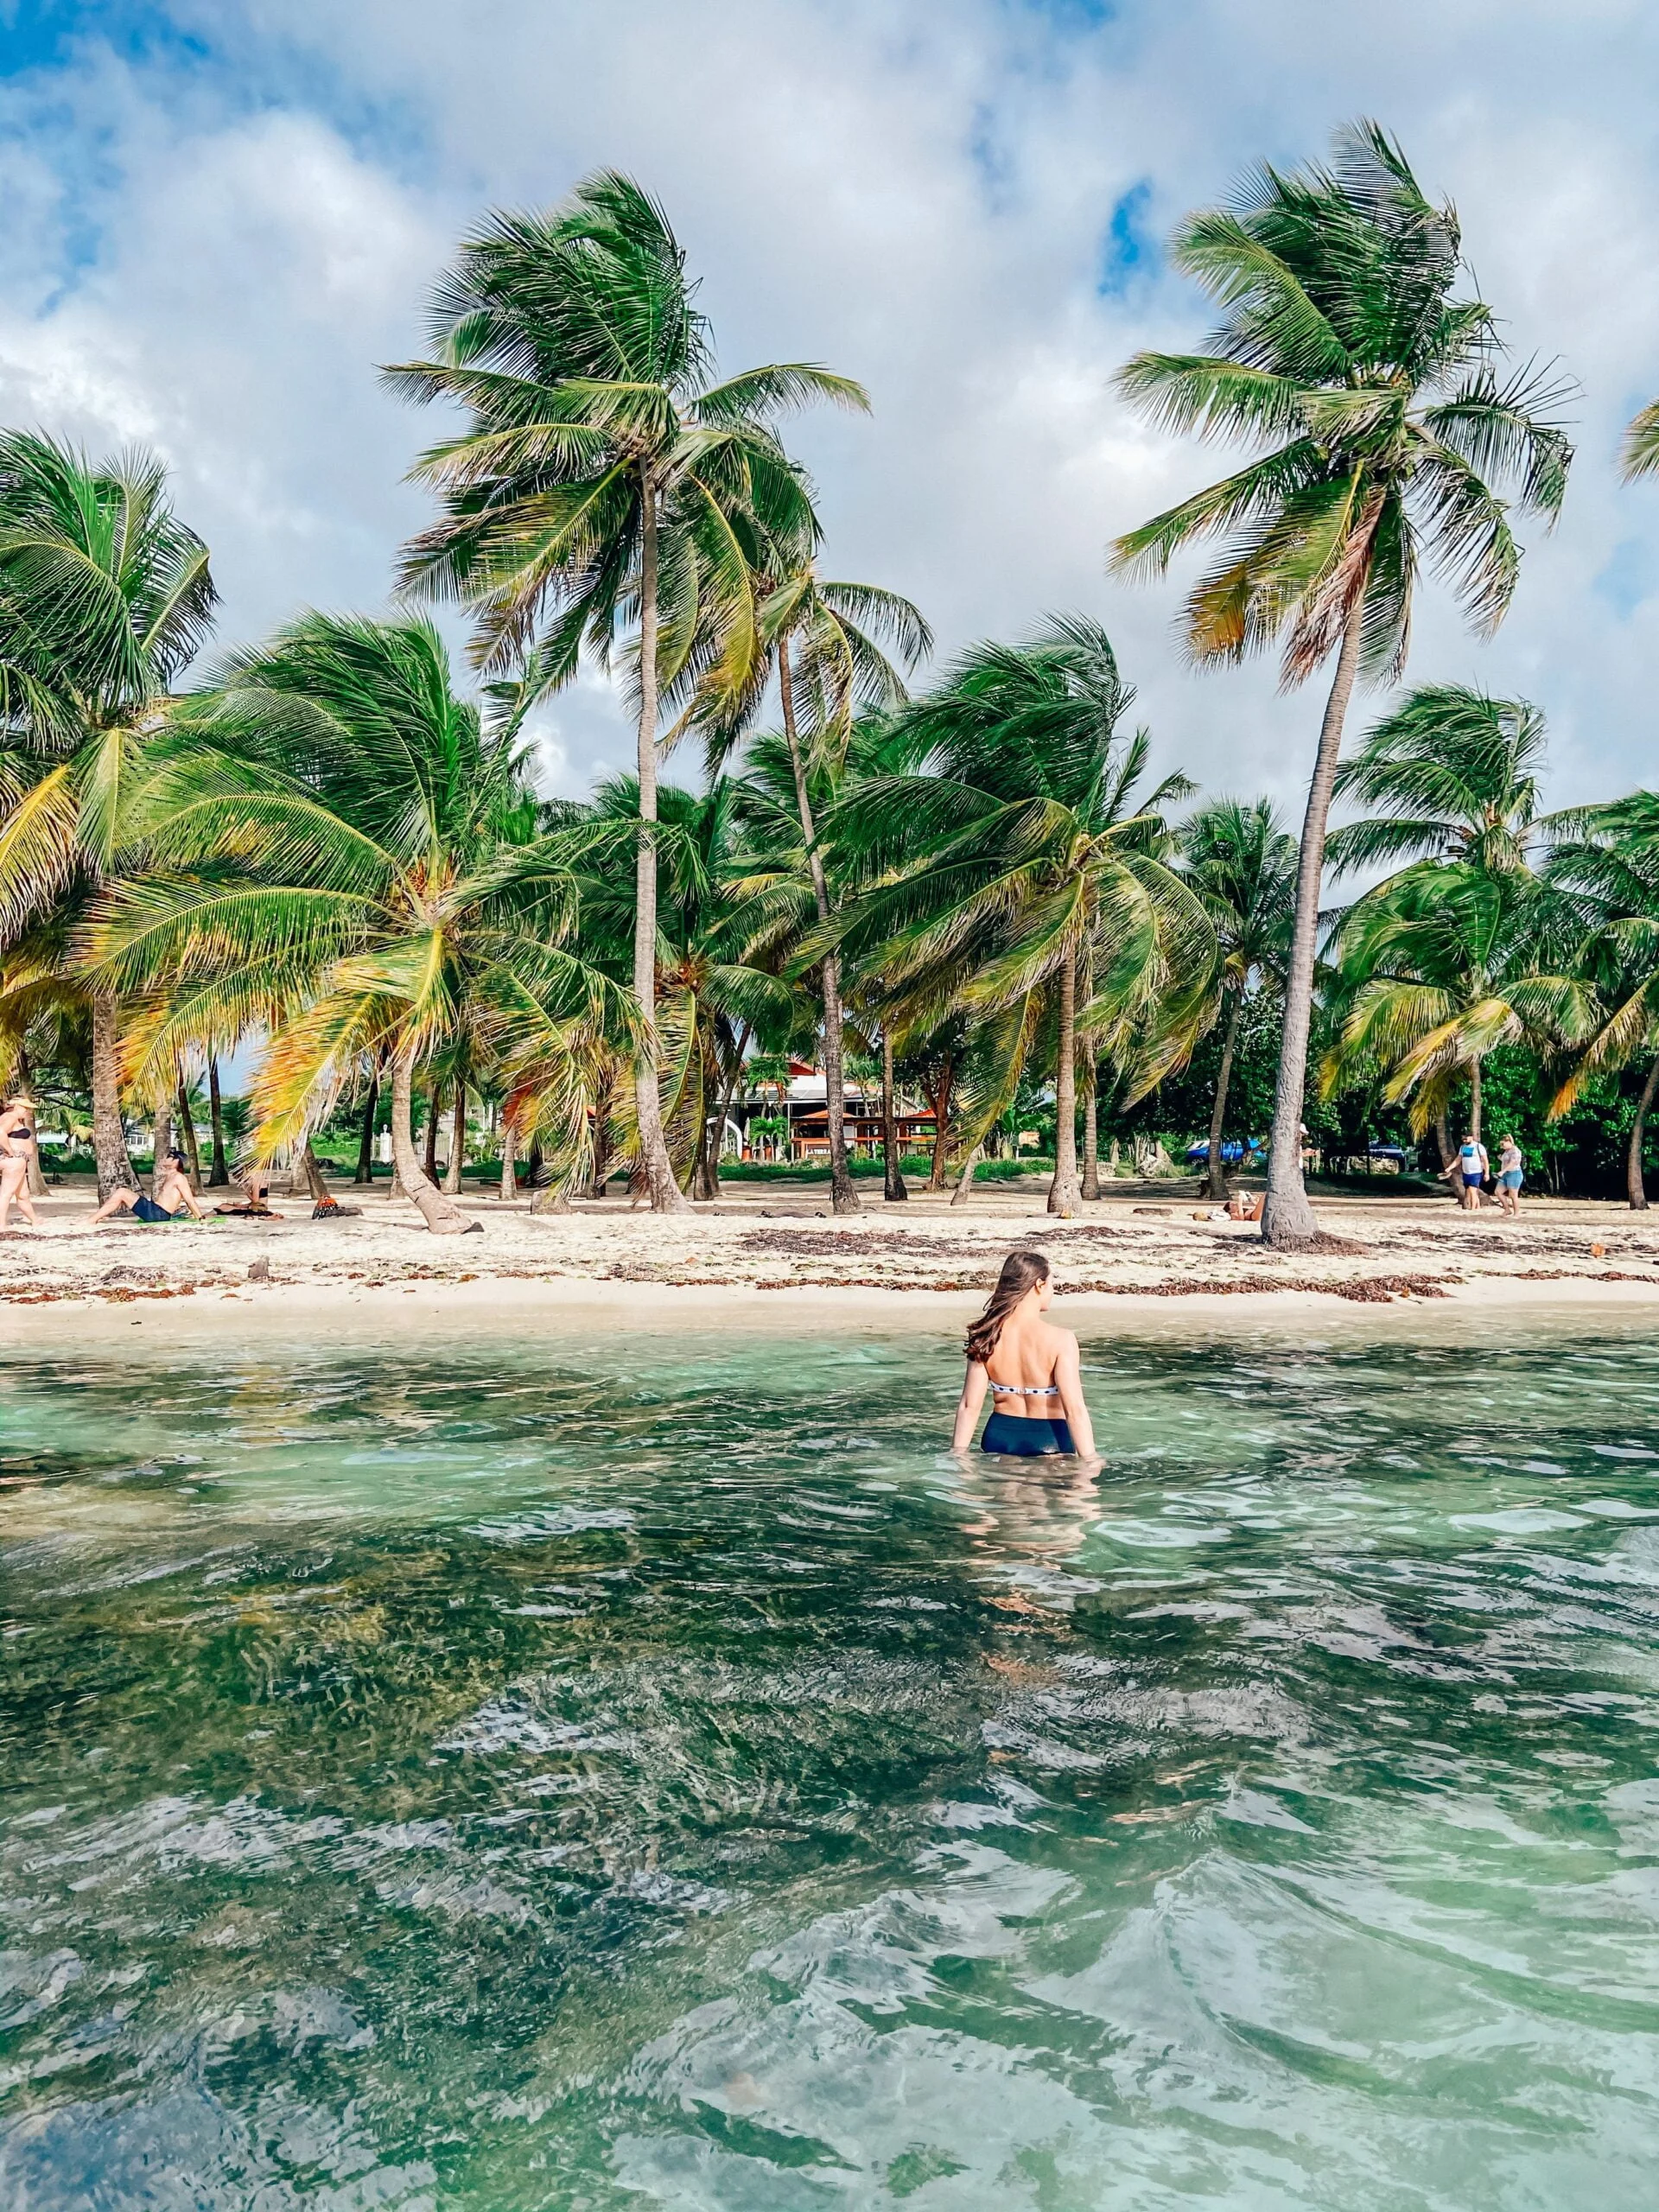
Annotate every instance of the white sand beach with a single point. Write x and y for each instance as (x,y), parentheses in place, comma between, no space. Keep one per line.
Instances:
(771,1248)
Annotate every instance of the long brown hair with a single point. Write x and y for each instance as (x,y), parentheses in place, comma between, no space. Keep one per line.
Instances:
(1021,1272)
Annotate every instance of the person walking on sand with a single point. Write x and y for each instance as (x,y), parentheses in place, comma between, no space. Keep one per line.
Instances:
(16,1151)
(1473,1166)
(1511,1173)
(173,1196)
(1037,1371)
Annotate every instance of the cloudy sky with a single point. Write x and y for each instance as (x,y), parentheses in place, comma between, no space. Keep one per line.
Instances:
(221,214)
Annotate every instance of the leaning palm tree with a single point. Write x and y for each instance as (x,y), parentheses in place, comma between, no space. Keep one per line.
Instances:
(1389,421)
(827,644)
(603,479)
(1014,875)
(340,853)
(1608,865)
(1243,866)
(104,599)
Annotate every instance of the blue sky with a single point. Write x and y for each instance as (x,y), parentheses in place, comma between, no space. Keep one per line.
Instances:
(220,217)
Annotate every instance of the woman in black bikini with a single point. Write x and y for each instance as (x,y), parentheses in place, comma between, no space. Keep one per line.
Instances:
(1037,1376)
(17,1150)
(173,1196)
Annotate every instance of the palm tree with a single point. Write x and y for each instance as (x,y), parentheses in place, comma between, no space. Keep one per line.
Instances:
(712,998)
(104,599)
(1019,857)
(1390,420)
(603,479)
(339,851)
(827,642)
(1243,866)
(1456,773)
(1442,963)
(1610,867)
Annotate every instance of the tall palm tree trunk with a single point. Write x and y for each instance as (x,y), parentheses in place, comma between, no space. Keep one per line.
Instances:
(1287,1219)
(844,1197)
(311,1168)
(734,1075)
(1634,1188)
(893,1185)
(1215,1180)
(1091,1130)
(221,1169)
(1064,1195)
(457,1142)
(430,1163)
(666,1196)
(1474,1100)
(941,1105)
(442,1218)
(187,1126)
(162,1133)
(960,1195)
(365,1136)
(509,1157)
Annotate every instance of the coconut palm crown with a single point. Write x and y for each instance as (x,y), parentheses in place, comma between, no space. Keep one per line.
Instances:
(1455,775)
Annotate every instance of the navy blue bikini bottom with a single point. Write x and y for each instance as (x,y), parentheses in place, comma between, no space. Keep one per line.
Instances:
(1025,1436)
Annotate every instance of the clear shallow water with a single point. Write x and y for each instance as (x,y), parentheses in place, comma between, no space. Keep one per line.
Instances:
(439,1779)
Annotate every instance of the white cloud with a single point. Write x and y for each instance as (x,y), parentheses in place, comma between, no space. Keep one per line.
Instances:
(212,252)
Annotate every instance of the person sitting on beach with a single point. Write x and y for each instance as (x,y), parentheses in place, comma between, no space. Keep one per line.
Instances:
(1038,1370)
(1511,1173)
(16,1151)
(174,1195)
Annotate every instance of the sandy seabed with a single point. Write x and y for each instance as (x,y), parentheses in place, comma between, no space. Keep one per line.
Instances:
(1146,1254)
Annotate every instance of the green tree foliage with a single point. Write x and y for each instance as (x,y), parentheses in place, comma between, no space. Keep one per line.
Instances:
(341,852)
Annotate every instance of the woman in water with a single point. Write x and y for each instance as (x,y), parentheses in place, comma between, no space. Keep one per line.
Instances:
(1036,1373)
(17,1150)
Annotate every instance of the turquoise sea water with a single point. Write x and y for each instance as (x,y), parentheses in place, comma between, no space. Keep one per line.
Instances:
(449,1776)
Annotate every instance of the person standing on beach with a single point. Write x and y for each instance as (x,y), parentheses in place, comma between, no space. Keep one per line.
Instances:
(1511,1173)
(1473,1166)
(17,1150)
(1038,1371)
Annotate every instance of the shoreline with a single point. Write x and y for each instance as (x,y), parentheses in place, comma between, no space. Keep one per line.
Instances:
(1138,1259)
(312,1311)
